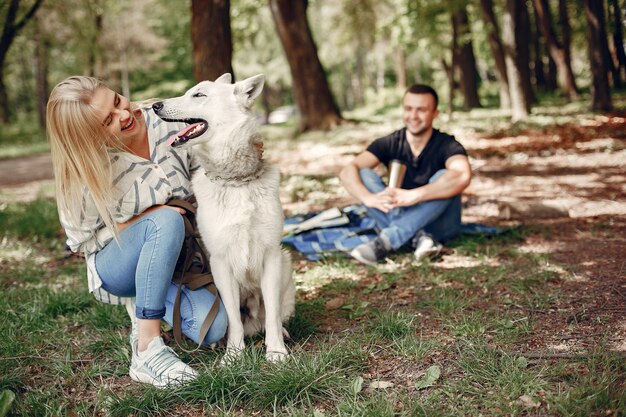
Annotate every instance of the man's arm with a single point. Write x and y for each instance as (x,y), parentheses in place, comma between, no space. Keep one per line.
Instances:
(351,179)
(451,183)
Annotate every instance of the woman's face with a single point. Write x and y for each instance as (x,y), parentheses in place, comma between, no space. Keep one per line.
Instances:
(116,116)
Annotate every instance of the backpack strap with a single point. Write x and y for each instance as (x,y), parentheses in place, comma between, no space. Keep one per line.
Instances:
(192,272)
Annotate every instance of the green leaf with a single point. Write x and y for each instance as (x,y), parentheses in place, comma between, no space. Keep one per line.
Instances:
(521,362)
(356,385)
(432,374)
(6,399)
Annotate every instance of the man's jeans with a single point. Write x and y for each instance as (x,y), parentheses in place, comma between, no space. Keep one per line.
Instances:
(439,218)
(142,265)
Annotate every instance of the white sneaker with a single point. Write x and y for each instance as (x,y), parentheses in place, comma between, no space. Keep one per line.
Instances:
(159,365)
(426,247)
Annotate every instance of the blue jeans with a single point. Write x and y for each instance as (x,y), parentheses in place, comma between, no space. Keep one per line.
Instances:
(142,265)
(439,218)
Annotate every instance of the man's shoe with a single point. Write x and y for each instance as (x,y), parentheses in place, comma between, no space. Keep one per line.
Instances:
(159,365)
(371,252)
(426,246)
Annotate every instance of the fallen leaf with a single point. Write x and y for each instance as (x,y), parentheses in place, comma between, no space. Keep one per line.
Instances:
(527,401)
(381,384)
(432,374)
(334,304)
(356,385)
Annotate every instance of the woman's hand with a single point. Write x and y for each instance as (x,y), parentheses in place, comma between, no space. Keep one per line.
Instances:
(122,226)
(259,146)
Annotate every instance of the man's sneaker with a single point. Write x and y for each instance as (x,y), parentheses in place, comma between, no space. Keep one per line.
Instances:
(426,246)
(159,365)
(371,252)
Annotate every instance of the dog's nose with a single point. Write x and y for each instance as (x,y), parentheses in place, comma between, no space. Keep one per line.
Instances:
(157,106)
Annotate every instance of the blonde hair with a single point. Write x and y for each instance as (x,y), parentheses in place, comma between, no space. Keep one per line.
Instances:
(79,143)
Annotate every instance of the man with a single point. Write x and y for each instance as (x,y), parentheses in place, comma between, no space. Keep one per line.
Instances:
(427,207)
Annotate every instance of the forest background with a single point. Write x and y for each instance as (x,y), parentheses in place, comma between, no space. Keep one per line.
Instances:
(529,322)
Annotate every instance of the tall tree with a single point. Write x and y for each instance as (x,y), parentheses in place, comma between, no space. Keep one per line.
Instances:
(598,55)
(211,39)
(523,35)
(42,45)
(493,35)
(510,21)
(617,42)
(312,94)
(465,59)
(12,26)
(559,51)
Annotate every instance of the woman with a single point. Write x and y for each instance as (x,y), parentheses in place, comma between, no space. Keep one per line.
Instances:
(114,172)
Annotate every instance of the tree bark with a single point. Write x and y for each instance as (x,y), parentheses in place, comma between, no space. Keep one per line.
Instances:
(598,55)
(211,39)
(617,41)
(312,94)
(400,65)
(519,103)
(522,35)
(560,53)
(41,67)
(11,28)
(493,35)
(465,60)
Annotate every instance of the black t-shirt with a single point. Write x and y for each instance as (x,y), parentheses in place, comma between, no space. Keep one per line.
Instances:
(433,157)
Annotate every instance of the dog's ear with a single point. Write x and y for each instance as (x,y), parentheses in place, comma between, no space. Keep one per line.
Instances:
(224,79)
(249,89)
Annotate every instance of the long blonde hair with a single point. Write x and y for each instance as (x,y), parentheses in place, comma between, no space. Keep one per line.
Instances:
(79,143)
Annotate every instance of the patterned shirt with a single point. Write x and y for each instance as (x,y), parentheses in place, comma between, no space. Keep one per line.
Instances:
(137,185)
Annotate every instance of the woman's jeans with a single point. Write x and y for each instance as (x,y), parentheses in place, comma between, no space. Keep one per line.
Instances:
(142,265)
(439,218)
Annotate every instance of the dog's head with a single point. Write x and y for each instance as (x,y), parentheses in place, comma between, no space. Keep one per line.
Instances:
(210,106)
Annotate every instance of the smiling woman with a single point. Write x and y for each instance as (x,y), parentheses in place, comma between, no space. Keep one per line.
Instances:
(115,171)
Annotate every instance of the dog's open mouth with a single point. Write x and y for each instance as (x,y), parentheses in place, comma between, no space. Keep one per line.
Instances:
(196,128)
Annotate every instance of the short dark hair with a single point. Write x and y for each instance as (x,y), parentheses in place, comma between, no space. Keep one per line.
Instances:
(423,89)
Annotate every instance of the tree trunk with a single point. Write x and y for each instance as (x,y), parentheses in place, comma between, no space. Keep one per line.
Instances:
(493,35)
(519,103)
(449,71)
(522,31)
(560,53)
(41,67)
(211,39)
(401,79)
(312,94)
(9,32)
(617,41)
(465,60)
(598,55)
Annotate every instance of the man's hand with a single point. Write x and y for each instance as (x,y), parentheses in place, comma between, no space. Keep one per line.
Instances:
(404,198)
(382,201)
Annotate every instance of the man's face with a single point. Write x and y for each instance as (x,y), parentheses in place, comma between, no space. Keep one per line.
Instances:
(418,112)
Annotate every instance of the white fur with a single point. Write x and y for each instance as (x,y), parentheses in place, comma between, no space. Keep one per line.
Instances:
(240,216)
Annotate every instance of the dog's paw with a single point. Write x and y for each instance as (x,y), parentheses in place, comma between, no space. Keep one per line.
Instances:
(231,356)
(275,356)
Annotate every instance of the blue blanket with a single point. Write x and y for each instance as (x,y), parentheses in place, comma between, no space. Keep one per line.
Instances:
(360,228)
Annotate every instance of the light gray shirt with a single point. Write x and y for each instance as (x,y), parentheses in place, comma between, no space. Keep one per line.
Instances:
(137,185)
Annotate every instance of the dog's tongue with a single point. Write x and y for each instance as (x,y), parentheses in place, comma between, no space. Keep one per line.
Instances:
(183,134)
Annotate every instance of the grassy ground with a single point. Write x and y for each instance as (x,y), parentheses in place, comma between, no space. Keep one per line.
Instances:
(496,328)
(399,339)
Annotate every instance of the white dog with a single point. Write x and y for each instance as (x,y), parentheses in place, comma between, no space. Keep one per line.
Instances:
(240,216)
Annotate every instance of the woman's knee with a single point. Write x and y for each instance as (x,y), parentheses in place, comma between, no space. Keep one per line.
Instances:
(167,222)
